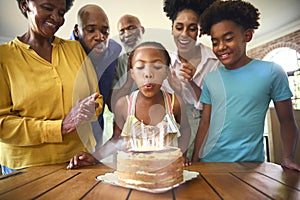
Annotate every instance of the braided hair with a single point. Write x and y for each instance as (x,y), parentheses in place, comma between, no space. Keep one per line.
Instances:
(154,45)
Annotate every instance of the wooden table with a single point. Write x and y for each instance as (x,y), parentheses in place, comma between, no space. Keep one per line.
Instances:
(215,181)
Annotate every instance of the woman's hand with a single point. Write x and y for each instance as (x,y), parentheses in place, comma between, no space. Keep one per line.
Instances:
(187,71)
(186,162)
(82,159)
(83,111)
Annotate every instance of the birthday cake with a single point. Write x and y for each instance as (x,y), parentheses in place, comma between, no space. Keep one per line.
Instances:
(150,169)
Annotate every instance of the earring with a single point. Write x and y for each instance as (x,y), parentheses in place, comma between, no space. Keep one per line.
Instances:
(76,34)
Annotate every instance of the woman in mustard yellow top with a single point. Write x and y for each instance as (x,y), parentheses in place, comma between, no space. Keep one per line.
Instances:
(48,90)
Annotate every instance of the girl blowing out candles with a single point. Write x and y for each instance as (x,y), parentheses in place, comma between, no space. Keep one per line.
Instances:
(149,109)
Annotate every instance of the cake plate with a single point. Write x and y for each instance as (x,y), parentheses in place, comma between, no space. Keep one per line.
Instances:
(112,178)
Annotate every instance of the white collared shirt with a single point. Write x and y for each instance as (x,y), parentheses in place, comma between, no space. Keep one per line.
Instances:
(208,63)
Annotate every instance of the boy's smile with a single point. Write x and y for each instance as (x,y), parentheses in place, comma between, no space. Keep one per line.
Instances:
(229,43)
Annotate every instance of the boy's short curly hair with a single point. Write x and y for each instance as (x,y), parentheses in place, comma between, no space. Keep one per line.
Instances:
(69,4)
(173,7)
(241,12)
(154,45)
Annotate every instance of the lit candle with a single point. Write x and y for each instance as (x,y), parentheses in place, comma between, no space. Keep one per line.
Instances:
(156,143)
(144,136)
(161,137)
(153,138)
(134,137)
(131,143)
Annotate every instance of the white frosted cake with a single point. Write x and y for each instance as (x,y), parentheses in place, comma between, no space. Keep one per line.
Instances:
(150,169)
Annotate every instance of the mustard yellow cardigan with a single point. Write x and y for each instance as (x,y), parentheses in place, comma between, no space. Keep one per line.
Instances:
(35,97)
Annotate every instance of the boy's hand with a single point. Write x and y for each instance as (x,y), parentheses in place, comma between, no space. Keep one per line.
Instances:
(288,163)
(82,159)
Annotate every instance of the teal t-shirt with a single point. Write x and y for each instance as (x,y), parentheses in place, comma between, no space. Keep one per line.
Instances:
(240,99)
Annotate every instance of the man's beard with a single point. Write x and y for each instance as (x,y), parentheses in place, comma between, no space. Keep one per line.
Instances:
(131,47)
(98,50)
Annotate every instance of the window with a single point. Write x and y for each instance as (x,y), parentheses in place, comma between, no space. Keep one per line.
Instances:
(289,59)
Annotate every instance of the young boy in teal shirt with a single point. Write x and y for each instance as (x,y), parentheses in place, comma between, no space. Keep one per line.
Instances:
(236,97)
